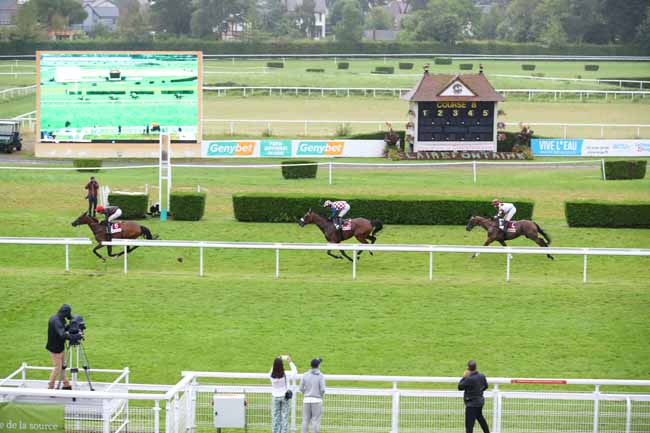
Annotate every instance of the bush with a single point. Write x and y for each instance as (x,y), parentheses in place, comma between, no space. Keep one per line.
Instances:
(187,206)
(292,171)
(466,66)
(592,67)
(628,169)
(384,70)
(81,163)
(279,65)
(538,74)
(343,65)
(405,65)
(315,70)
(528,67)
(133,206)
(390,210)
(586,213)
(442,61)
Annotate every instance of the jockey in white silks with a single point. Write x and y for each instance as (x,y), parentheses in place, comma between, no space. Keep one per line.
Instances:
(505,212)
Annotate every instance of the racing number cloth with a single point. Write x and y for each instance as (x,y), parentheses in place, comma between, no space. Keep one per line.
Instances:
(31,418)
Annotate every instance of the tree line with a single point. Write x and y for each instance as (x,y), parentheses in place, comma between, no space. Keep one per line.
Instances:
(547,22)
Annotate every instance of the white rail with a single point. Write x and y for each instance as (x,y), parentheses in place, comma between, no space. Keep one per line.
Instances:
(48,241)
(357,248)
(577,80)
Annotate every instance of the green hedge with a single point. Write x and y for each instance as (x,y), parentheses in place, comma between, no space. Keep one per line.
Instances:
(628,169)
(81,163)
(315,70)
(390,210)
(343,65)
(592,67)
(384,70)
(591,213)
(442,61)
(133,205)
(187,206)
(528,67)
(405,65)
(466,66)
(277,65)
(292,171)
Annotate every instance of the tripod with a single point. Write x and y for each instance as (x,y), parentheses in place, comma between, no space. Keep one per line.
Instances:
(76,354)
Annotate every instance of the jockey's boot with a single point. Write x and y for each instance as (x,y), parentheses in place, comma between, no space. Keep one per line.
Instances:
(502,225)
(337,223)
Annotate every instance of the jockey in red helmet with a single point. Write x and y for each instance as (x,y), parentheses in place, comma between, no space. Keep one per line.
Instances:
(505,212)
(111,213)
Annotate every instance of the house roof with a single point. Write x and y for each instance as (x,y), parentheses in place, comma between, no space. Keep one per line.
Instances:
(103,8)
(438,87)
(320,6)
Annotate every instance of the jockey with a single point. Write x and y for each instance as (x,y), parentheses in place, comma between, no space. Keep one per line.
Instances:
(111,213)
(505,212)
(339,209)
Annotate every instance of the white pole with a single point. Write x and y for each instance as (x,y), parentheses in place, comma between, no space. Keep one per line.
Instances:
(126,258)
(330,173)
(584,269)
(628,415)
(354,264)
(495,406)
(602,164)
(596,408)
(474,170)
(67,257)
(395,410)
(201,261)
(277,263)
(508,257)
(430,265)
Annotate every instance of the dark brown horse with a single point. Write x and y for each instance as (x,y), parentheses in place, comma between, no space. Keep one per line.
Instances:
(130,230)
(527,228)
(361,228)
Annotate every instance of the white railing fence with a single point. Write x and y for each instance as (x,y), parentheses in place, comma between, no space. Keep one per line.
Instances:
(48,241)
(352,403)
(619,83)
(356,249)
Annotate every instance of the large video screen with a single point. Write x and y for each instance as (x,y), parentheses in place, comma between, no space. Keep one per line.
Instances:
(130,96)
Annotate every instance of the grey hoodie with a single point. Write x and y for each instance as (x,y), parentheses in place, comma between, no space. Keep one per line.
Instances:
(313,384)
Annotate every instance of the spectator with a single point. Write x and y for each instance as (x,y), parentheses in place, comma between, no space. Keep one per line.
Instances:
(279,388)
(56,336)
(93,187)
(312,387)
(473,383)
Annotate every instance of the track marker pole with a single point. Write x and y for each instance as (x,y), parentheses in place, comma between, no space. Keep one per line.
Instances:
(354,263)
(602,164)
(126,258)
(201,261)
(67,257)
(330,173)
(430,265)
(474,170)
(584,269)
(277,263)
(508,257)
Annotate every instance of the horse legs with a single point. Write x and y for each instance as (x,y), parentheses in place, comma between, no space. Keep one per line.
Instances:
(346,255)
(329,253)
(487,243)
(542,243)
(363,241)
(99,245)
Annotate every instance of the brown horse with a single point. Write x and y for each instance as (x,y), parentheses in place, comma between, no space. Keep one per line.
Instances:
(130,230)
(527,228)
(361,228)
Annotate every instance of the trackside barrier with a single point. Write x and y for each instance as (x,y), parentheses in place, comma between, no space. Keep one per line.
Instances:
(356,248)
(48,241)
(366,404)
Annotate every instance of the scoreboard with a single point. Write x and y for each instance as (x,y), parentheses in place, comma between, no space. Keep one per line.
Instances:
(455,121)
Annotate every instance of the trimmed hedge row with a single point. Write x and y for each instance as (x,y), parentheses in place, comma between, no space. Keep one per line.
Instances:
(590,213)
(292,171)
(384,70)
(466,66)
(133,206)
(343,65)
(315,70)
(187,206)
(405,65)
(278,65)
(442,61)
(390,210)
(528,67)
(629,169)
(592,67)
(82,163)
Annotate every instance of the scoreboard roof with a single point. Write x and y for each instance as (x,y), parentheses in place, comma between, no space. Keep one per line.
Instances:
(447,87)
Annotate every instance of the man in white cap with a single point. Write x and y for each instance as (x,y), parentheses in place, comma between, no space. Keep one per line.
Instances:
(312,387)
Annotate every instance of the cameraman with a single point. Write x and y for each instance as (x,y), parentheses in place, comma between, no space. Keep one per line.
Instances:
(56,336)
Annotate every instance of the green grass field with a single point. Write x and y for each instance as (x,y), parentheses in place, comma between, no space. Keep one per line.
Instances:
(162,318)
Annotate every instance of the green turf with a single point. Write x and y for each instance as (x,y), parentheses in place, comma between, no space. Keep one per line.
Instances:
(162,318)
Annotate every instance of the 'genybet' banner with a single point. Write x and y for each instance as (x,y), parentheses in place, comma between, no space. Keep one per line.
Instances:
(31,418)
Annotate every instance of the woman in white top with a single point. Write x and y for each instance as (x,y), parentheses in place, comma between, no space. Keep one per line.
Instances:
(279,387)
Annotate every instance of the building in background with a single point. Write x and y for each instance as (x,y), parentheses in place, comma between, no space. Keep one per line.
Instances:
(320,15)
(8,9)
(100,12)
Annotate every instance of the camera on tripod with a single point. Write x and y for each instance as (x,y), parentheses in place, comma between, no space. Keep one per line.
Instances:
(76,329)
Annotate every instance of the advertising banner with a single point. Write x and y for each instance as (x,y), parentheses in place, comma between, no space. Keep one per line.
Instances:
(292,148)
(31,418)
(588,147)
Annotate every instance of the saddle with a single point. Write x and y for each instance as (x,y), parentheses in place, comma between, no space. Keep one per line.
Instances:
(346,225)
(116,228)
(511,226)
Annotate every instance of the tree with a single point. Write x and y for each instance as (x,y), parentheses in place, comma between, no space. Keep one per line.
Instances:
(643,30)
(305,17)
(58,13)
(27,26)
(622,17)
(489,22)
(215,16)
(517,25)
(350,28)
(445,27)
(133,24)
(379,19)
(172,16)
(585,22)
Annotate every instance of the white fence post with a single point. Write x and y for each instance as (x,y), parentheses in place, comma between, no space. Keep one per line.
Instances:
(354,263)
(201,261)
(277,263)
(495,406)
(330,173)
(628,415)
(67,257)
(508,257)
(126,258)
(394,419)
(602,164)
(474,170)
(430,265)
(596,408)
(584,269)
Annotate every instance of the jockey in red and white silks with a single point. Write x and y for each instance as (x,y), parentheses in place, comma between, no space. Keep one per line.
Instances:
(339,209)
(505,212)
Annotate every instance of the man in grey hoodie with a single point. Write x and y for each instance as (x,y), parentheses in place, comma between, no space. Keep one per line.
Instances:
(312,387)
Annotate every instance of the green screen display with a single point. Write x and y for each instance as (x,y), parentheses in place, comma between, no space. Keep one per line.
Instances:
(87,97)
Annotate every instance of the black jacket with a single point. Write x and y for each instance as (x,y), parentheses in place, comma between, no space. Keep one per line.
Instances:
(56,333)
(473,385)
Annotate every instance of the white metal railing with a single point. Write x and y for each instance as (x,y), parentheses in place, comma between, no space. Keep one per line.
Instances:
(357,248)
(429,55)
(576,80)
(48,241)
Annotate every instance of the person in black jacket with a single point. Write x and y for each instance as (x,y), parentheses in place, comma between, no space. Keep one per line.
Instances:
(56,336)
(473,383)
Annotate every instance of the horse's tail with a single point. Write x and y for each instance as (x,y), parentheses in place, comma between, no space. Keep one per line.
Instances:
(146,233)
(543,233)
(377,225)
